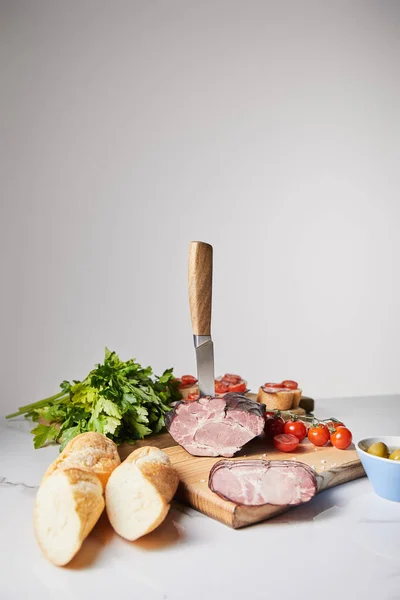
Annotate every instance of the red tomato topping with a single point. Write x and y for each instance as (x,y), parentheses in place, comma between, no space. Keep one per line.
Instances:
(289,384)
(318,435)
(286,442)
(341,438)
(231,378)
(230,383)
(221,387)
(296,428)
(238,387)
(188,380)
(272,385)
(192,396)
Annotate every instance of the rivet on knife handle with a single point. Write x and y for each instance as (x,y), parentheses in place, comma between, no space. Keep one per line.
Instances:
(200,286)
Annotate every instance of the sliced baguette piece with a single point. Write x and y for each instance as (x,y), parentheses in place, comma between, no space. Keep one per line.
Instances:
(186,391)
(279,400)
(89,451)
(68,504)
(296,398)
(139,492)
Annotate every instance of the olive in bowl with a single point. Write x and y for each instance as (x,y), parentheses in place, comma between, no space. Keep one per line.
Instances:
(380,457)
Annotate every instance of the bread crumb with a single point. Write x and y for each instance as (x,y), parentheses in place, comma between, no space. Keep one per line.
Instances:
(323,461)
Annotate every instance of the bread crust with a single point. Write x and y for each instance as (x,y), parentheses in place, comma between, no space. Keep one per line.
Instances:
(161,474)
(151,467)
(88,505)
(280,400)
(90,451)
(297,394)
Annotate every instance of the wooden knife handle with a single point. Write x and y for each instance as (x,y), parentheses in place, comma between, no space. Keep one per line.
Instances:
(200,286)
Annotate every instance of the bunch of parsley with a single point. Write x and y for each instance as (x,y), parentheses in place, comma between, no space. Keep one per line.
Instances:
(119,399)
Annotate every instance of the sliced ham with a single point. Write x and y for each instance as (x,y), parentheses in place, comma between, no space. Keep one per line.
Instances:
(215,426)
(257,482)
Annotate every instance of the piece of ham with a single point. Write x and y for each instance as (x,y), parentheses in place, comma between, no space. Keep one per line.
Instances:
(216,426)
(256,482)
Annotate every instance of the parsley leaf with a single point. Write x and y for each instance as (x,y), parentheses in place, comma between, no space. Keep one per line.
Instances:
(120,399)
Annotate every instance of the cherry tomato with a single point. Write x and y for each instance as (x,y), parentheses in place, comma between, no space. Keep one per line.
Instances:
(187,380)
(231,378)
(272,385)
(269,413)
(318,435)
(274,426)
(286,442)
(296,428)
(291,385)
(341,438)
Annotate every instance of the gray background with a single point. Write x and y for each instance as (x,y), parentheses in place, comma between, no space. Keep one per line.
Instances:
(268,129)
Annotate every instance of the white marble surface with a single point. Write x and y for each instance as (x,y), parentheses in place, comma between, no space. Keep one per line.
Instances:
(344,544)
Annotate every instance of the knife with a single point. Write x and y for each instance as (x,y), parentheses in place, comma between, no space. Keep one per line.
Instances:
(200,300)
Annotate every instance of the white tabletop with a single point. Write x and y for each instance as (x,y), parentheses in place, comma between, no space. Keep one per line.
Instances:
(344,544)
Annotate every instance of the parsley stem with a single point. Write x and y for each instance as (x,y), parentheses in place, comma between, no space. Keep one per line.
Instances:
(60,397)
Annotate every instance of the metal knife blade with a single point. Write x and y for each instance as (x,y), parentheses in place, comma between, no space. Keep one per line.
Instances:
(205,364)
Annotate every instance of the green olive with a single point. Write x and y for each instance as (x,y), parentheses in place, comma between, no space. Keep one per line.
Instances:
(395,454)
(379,449)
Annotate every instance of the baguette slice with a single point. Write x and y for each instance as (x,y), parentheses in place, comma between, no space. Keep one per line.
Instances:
(279,400)
(89,451)
(139,492)
(296,398)
(68,504)
(186,391)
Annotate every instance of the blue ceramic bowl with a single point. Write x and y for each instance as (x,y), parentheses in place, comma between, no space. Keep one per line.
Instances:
(384,474)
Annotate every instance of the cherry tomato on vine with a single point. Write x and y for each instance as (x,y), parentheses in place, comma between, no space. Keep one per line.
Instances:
(318,434)
(341,438)
(286,442)
(274,426)
(269,413)
(296,428)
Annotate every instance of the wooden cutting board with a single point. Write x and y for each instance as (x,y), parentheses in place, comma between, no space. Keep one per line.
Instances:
(332,466)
